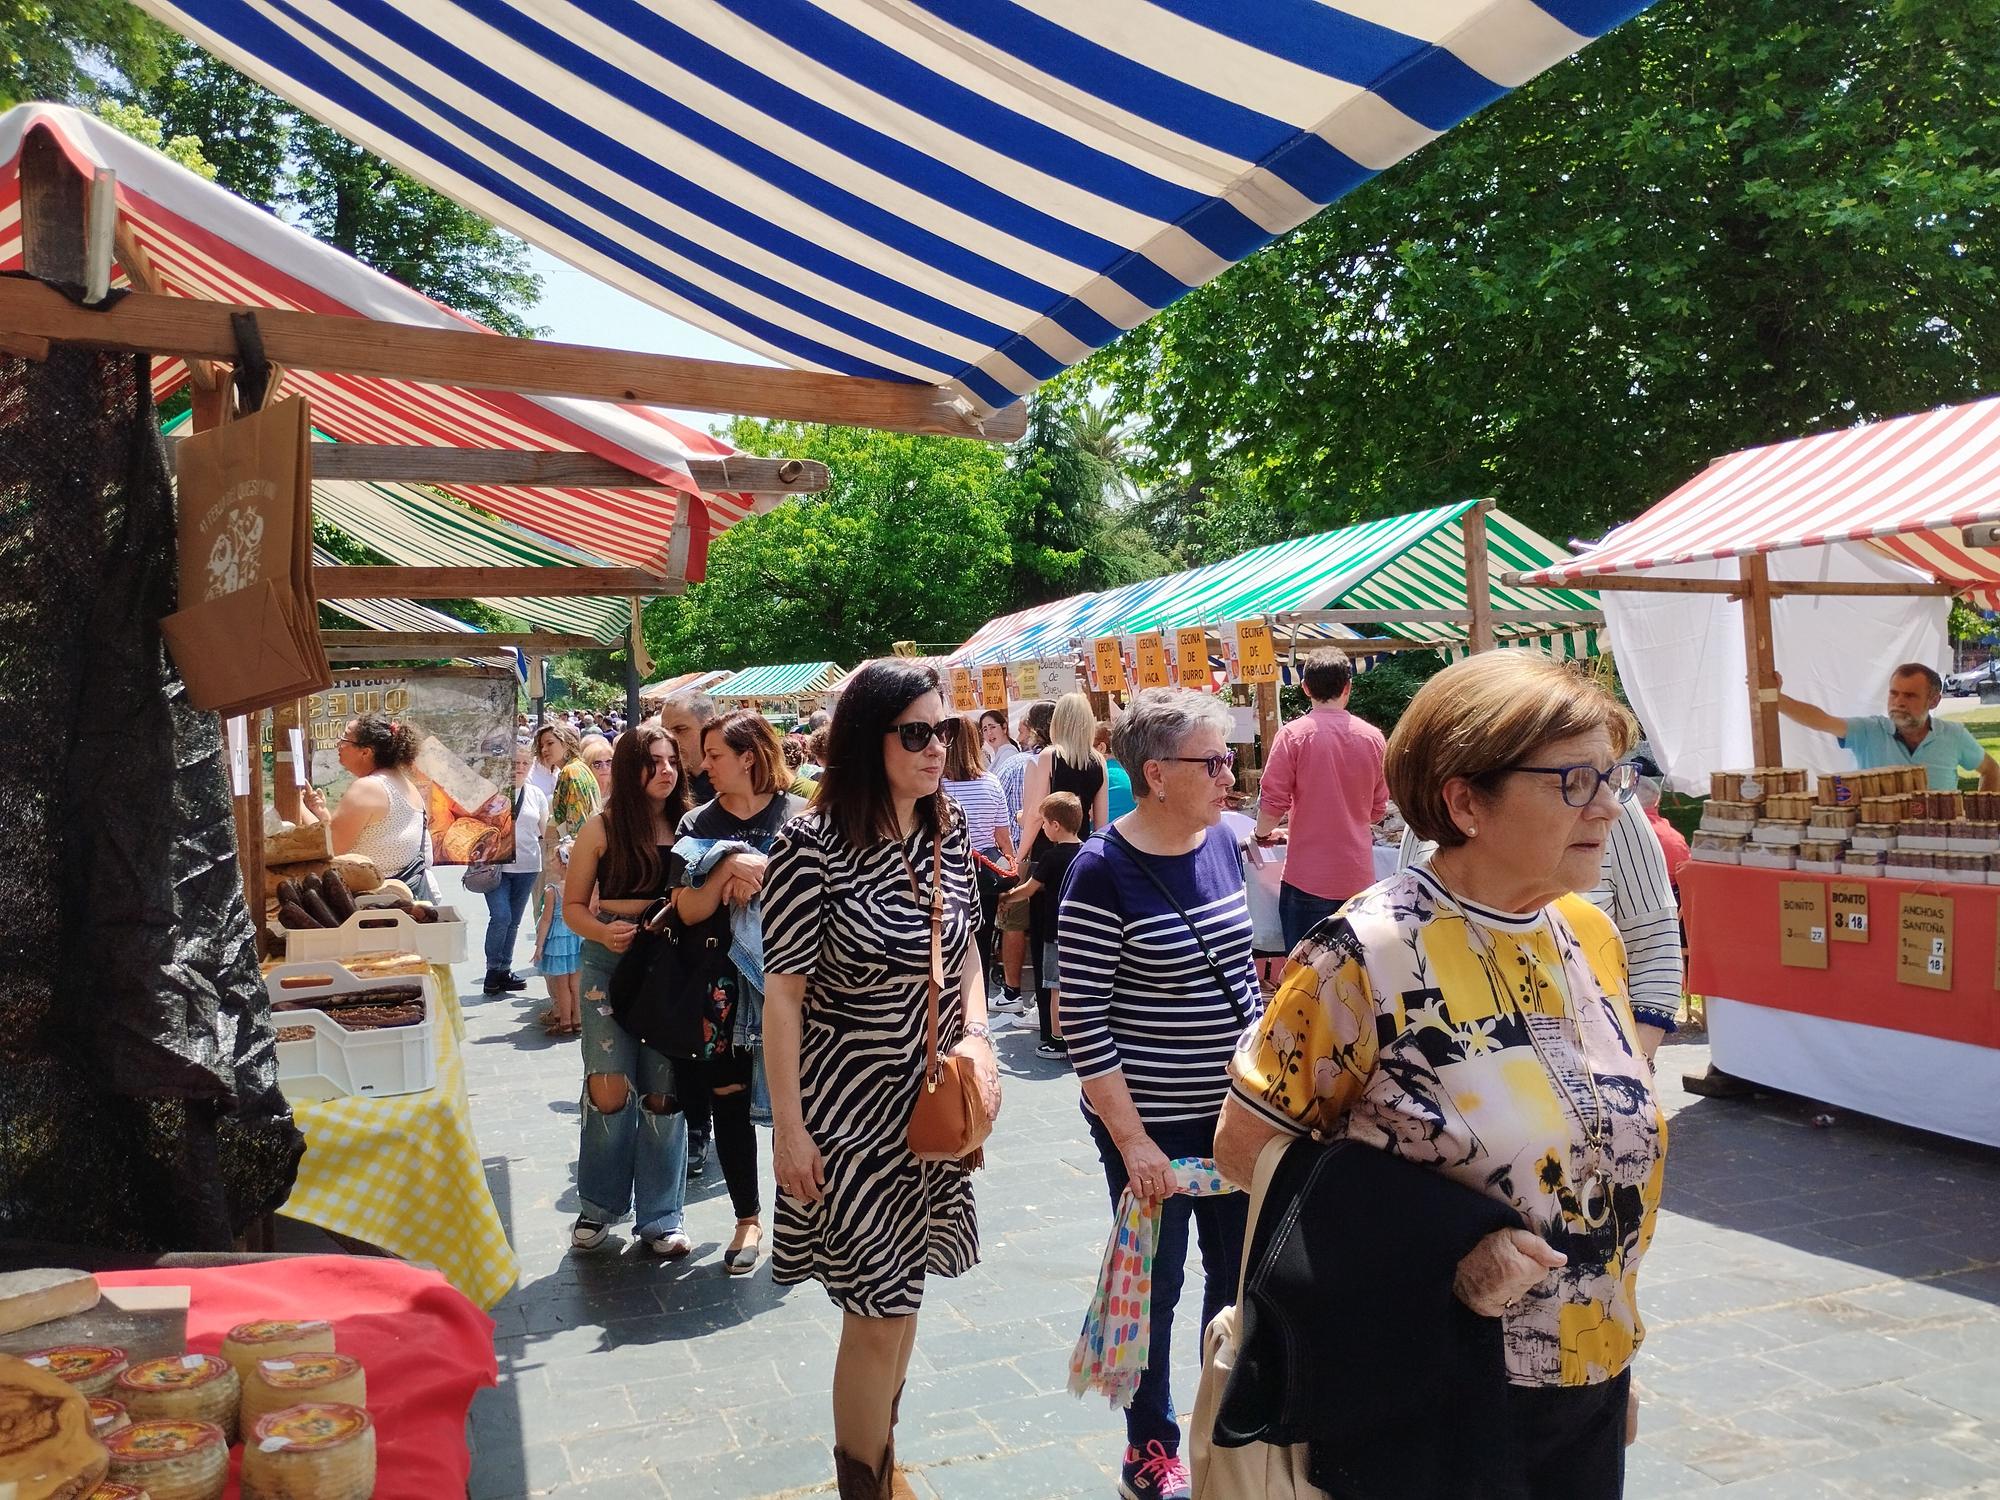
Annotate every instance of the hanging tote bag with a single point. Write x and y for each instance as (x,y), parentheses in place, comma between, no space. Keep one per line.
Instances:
(950,1121)
(1255,1471)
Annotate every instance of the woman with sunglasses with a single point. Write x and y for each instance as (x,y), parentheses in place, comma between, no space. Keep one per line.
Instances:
(633,1153)
(595,751)
(1157,982)
(848,944)
(1469,1016)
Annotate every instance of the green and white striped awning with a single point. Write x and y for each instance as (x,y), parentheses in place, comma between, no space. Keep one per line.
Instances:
(405,614)
(1401,563)
(789,681)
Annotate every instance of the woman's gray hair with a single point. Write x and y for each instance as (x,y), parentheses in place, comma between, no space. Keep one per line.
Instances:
(1158,723)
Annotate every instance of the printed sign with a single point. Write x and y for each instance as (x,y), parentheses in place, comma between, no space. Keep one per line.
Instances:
(1847,902)
(964,696)
(993,688)
(1253,655)
(1110,675)
(1191,658)
(1923,941)
(1152,653)
(463,720)
(1028,675)
(1802,924)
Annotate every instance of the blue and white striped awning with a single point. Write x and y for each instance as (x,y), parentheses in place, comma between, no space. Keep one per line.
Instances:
(968,193)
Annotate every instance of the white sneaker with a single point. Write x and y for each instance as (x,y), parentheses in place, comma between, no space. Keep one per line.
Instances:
(588,1234)
(673,1245)
(998,1021)
(1007,1002)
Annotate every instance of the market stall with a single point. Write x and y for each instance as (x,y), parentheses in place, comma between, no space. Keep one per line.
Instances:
(795,687)
(1840,925)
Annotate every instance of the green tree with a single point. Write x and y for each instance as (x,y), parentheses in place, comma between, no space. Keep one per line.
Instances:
(65,50)
(908,542)
(1070,531)
(244,129)
(1721,225)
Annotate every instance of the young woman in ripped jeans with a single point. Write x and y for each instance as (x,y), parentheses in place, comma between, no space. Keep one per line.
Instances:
(633,1154)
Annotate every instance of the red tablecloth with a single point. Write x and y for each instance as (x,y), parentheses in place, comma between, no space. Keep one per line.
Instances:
(426,1349)
(1733,926)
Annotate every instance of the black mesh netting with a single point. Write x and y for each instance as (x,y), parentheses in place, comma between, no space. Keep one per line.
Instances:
(139,1105)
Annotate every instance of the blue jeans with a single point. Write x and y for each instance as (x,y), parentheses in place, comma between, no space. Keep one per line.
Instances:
(637,1158)
(1299,912)
(506,904)
(1220,1224)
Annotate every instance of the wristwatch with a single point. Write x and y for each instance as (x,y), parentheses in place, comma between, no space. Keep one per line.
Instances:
(980,1029)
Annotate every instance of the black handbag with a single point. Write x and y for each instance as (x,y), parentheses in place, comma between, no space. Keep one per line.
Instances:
(660,989)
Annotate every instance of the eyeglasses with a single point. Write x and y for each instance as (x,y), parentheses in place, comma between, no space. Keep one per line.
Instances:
(1214,765)
(915,737)
(594,761)
(1580,783)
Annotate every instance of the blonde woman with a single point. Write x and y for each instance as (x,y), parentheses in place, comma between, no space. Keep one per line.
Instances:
(1070,764)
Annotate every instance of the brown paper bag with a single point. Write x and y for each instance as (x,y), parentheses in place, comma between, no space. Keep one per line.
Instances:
(247,633)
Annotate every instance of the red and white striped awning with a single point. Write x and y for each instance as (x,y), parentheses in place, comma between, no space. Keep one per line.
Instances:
(205,242)
(1906,487)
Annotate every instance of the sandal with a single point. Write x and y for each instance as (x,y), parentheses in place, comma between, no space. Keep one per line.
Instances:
(743,1259)
(547,1018)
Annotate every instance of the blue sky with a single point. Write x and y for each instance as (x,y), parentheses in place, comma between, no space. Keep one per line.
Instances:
(577,308)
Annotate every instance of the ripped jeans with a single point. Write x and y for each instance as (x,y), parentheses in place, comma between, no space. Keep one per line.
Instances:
(635,1159)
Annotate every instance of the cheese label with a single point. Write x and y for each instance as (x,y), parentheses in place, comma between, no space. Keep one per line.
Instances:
(270,1330)
(277,1364)
(315,1425)
(173,1373)
(300,1374)
(167,1438)
(75,1362)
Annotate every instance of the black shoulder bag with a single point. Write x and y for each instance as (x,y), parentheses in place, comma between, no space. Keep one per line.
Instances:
(1139,860)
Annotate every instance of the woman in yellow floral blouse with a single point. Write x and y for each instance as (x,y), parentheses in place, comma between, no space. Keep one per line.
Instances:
(1470,1015)
(575,795)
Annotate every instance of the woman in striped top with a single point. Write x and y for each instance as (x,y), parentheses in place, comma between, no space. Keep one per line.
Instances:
(1157,983)
(988,825)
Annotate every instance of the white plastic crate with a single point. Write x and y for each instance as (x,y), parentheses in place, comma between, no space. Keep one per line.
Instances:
(381,929)
(335,1063)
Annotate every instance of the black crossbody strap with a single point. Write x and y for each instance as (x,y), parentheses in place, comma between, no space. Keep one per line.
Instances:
(1112,835)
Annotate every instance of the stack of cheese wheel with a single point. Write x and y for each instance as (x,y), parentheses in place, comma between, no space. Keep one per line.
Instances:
(46,1448)
(107,1416)
(171,1459)
(320,1450)
(273,1339)
(92,1368)
(187,1387)
(318,1378)
(113,1489)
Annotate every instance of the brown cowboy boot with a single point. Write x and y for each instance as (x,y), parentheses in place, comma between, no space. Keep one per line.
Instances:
(899,1487)
(860,1481)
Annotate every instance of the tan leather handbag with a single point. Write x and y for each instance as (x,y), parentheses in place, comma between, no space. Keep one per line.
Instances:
(1257,1471)
(949,1122)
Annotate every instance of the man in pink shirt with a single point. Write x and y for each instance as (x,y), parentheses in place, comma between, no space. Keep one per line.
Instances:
(1325,773)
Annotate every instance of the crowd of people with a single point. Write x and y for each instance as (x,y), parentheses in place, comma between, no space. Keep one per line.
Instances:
(1483,1017)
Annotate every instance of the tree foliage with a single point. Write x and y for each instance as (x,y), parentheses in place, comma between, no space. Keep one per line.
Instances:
(1723,224)
(65,50)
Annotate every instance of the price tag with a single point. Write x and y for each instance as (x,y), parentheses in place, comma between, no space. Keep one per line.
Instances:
(1029,675)
(239,757)
(1802,924)
(298,738)
(1254,657)
(1924,926)
(993,688)
(1110,664)
(1191,658)
(1152,654)
(964,696)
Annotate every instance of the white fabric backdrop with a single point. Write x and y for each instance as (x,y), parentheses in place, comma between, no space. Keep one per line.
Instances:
(1681,659)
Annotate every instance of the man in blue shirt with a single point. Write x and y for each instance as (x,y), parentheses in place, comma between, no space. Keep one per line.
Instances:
(1908,735)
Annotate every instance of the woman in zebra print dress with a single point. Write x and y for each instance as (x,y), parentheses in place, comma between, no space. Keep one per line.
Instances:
(847,938)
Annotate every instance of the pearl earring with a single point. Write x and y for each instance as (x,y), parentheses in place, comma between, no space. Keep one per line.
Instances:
(1160,796)
(1472,833)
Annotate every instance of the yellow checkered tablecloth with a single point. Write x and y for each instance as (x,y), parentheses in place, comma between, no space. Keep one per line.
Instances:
(404,1173)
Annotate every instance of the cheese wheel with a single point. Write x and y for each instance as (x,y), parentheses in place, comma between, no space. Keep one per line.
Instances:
(171,1459)
(46,1448)
(92,1368)
(273,1339)
(187,1387)
(278,1383)
(314,1451)
(111,1489)
(107,1416)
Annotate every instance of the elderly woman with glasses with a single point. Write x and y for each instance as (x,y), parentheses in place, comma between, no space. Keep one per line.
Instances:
(850,939)
(1469,1016)
(1153,933)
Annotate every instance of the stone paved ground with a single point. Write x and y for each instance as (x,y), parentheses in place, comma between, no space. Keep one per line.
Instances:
(1824,1308)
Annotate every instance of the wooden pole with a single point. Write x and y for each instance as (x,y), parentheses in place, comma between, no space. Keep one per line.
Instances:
(554,469)
(250,834)
(1269,720)
(491,583)
(1478,581)
(1760,651)
(284,778)
(52,218)
(489,361)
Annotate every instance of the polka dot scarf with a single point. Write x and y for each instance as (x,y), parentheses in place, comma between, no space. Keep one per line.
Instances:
(1110,1353)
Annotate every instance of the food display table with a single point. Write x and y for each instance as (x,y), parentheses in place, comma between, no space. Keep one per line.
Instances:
(425,1348)
(404,1172)
(1890,1025)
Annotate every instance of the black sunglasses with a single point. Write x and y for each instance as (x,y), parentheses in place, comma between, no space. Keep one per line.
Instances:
(915,737)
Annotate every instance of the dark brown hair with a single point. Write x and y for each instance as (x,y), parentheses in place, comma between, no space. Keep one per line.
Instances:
(748,732)
(965,757)
(854,795)
(390,741)
(631,864)
(1327,673)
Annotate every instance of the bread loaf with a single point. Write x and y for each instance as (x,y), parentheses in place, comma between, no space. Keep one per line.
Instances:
(46,1448)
